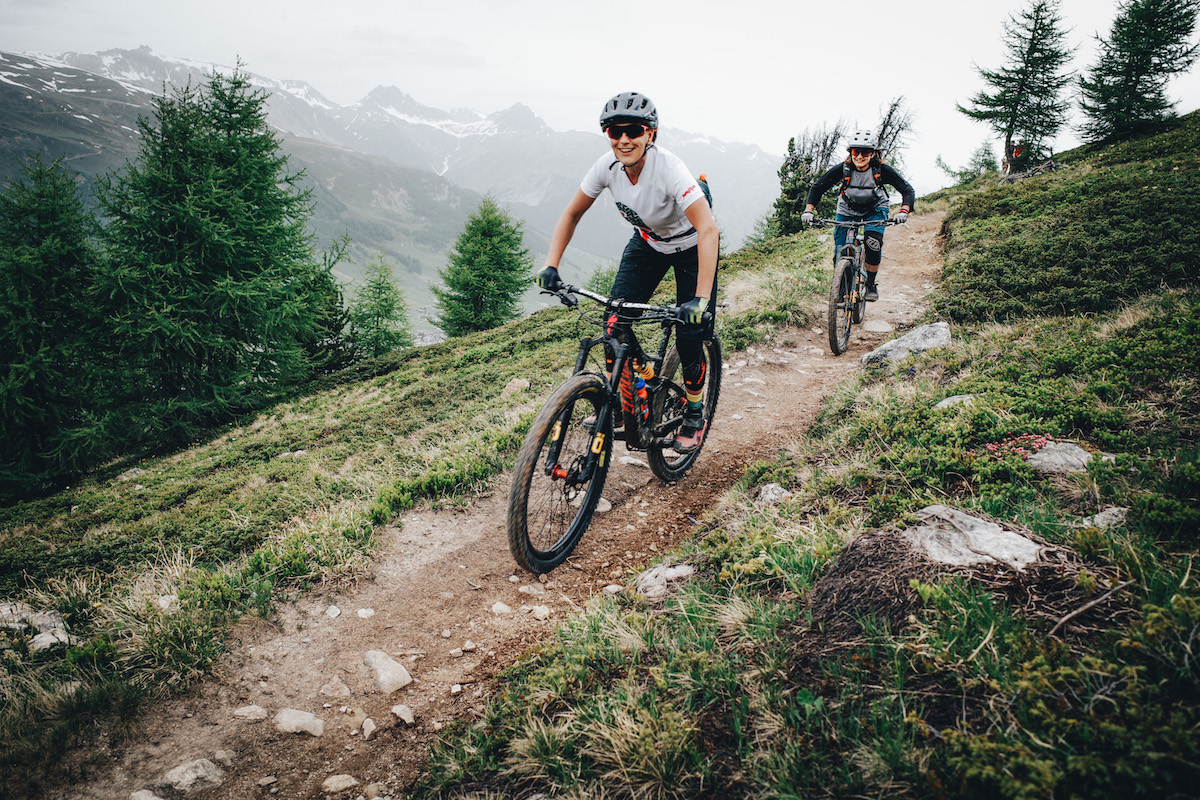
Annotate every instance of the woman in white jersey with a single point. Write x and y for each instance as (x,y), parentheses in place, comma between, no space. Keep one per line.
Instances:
(673,228)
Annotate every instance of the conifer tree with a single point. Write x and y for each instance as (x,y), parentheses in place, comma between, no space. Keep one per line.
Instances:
(1150,42)
(211,267)
(378,313)
(488,271)
(805,161)
(50,376)
(1025,103)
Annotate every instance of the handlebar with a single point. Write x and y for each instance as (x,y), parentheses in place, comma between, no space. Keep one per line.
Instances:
(566,296)
(820,222)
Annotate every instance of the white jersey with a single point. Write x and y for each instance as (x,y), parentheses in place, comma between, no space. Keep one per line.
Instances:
(657,204)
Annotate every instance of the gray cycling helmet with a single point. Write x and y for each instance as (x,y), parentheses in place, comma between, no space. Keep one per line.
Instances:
(863,139)
(629,107)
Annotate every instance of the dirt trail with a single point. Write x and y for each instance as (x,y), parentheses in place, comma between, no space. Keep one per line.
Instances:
(432,585)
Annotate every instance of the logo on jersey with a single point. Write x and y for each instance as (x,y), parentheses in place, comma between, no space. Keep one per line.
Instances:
(633,219)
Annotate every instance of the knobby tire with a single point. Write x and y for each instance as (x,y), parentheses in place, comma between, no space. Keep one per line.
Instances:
(548,515)
(841,305)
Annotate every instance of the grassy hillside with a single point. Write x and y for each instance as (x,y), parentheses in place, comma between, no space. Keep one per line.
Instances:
(938,684)
(944,685)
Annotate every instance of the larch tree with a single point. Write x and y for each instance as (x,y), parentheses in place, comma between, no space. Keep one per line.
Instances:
(50,377)
(211,269)
(1126,90)
(378,314)
(1024,104)
(488,270)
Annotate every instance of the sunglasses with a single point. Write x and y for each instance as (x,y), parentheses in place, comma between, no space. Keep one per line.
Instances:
(632,130)
(858,151)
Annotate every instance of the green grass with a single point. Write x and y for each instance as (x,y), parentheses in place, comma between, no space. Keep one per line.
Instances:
(285,500)
(938,685)
(947,686)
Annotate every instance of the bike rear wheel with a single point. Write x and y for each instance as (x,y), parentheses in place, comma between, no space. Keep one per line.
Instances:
(666,411)
(841,305)
(554,494)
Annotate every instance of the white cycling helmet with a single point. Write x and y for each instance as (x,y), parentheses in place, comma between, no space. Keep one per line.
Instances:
(863,139)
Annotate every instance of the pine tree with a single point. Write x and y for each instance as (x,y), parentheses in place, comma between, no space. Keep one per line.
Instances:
(211,267)
(488,270)
(1125,92)
(1025,106)
(49,392)
(805,161)
(378,313)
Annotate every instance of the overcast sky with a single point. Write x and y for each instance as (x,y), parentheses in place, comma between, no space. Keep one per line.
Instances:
(758,71)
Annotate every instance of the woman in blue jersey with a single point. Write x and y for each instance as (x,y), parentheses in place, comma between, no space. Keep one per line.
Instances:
(863,177)
(673,228)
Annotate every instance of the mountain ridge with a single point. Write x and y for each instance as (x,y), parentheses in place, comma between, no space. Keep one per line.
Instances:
(85,107)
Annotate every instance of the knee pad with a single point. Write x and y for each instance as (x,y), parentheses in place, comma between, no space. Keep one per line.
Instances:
(874,245)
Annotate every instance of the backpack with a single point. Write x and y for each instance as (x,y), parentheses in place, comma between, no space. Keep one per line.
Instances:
(847,171)
(703,181)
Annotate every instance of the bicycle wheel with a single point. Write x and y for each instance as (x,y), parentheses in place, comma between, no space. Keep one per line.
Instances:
(859,309)
(841,305)
(553,494)
(666,411)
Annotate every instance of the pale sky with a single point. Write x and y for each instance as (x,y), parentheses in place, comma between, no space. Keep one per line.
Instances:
(758,71)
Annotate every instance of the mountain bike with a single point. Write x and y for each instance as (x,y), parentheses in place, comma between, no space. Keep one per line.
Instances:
(562,465)
(848,289)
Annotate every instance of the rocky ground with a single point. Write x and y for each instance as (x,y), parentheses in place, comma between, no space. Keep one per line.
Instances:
(443,599)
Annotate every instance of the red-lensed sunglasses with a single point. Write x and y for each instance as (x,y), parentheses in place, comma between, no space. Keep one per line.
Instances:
(632,130)
(859,151)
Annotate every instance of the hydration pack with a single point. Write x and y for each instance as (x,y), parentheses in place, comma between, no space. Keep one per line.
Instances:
(848,172)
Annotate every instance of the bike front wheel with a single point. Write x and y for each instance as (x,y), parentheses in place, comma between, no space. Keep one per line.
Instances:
(559,475)
(841,305)
(666,412)
(860,296)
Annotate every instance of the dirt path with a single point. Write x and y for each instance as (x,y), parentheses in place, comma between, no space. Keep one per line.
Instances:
(428,597)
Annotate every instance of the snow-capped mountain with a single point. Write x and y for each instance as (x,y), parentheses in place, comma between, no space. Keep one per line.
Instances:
(396,174)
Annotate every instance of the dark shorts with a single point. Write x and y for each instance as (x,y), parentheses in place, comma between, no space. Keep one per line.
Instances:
(642,270)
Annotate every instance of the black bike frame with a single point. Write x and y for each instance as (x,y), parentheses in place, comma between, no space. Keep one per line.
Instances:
(611,340)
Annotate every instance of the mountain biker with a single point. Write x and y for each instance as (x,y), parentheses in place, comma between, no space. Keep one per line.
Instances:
(655,192)
(863,176)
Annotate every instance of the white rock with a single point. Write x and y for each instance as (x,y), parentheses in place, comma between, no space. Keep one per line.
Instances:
(195,775)
(772,494)
(291,720)
(652,583)
(1112,517)
(335,688)
(955,400)
(926,337)
(613,589)
(333,612)
(876,326)
(404,713)
(541,612)
(44,641)
(252,713)
(950,536)
(369,727)
(500,609)
(366,613)
(338,783)
(144,794)
(390,674)
(1060,457)
(633,462)
(468,646)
